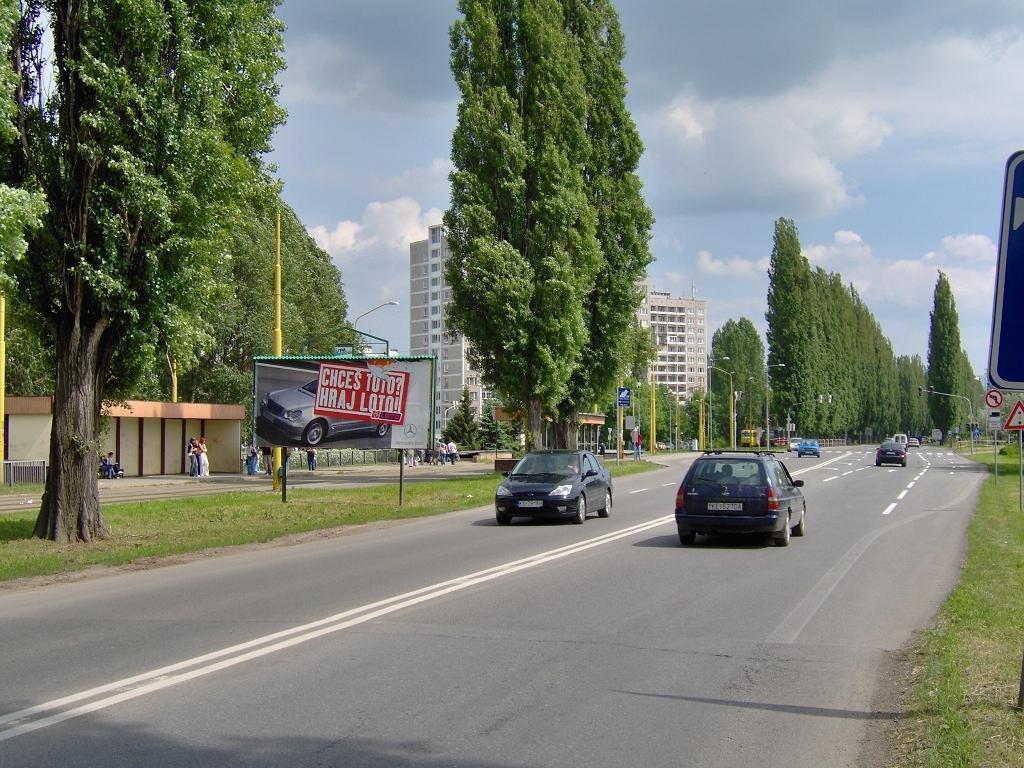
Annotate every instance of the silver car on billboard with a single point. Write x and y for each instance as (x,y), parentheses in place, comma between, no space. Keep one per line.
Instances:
(289,412)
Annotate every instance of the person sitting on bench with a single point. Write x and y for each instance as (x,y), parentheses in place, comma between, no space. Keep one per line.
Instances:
(110,468)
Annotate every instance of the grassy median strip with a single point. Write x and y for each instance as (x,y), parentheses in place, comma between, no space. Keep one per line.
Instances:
(148,529)
(968,665)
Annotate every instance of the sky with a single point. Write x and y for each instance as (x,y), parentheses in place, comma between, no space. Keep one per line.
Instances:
(882,129)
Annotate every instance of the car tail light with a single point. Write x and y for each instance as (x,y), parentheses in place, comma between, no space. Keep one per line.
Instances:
(681,498)
(773,499)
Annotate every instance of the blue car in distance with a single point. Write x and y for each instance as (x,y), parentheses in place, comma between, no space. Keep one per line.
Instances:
(808,448)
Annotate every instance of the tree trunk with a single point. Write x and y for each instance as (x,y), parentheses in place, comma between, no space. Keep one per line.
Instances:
(71,505)
(534,424)
(566,433)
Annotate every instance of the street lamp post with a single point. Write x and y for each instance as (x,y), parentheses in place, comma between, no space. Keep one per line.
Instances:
(970,405)
(767,423)
(355,323)
(711,421)
(732,407)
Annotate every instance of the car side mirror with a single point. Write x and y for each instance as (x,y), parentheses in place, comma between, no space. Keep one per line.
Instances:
(506,473)
(798,483)
(590,473)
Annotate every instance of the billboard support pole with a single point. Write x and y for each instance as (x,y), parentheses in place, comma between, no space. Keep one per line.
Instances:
(401,478)
(277,342)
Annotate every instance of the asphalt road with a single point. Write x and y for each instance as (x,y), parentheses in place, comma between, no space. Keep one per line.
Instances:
(453,642)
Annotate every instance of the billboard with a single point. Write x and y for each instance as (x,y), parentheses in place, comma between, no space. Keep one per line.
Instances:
(343,402)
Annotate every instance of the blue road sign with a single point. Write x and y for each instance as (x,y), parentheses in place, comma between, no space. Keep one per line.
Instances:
(1006,355)
(624,396)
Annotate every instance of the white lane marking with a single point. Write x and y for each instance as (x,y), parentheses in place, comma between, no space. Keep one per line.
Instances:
(158,679)
(861,469)
(911,483)
(819,466)
(890,508)
(847,473)
(666,485)
(789,628)
(830,478)
(902,494)
(638,490)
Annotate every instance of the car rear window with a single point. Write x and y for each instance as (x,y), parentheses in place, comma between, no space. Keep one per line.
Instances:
(726,472)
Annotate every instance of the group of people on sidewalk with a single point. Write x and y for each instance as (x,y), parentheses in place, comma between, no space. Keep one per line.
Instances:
(446,452)
(198,461)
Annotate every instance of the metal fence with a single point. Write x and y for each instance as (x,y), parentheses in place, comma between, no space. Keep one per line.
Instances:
(16,472)
(338,457)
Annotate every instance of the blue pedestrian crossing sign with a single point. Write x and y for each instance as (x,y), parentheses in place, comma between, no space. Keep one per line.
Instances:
(625,395)
(1006,354)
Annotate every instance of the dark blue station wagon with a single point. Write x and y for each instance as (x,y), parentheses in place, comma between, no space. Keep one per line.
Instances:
(740,493)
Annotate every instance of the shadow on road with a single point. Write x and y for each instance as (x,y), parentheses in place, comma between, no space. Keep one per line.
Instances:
(795,709)
(709,541)
(81,744)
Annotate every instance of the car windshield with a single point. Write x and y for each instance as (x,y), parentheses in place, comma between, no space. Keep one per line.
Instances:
(726,472)
(548,464)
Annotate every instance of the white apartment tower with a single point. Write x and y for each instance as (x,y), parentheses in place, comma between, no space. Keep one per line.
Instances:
(679,329)
(429,294)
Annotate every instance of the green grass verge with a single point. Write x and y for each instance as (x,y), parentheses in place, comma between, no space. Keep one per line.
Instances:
(21,488)
(969,663)
(148,529)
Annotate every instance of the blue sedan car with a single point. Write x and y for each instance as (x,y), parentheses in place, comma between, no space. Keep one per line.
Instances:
(808,448)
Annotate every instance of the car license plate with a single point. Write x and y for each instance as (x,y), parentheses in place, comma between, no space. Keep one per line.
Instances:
(527,503)
(725,506)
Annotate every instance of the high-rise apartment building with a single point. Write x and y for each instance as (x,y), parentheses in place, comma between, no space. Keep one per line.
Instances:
(679,329)
(429,295)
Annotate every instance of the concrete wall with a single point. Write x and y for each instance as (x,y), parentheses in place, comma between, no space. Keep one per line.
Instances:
(152,454)
(28,437)
(223,444)
(127,452)
(174,447)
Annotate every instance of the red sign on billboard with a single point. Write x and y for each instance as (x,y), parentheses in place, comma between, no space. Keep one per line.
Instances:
(362,392)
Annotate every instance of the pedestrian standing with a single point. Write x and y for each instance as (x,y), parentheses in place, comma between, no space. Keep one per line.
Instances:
(204,460)
(193,459)
(453,452)
(311,459)
(252,463)
(442,452)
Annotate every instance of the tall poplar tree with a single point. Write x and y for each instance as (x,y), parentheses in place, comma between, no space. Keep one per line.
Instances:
(790,348)
(624,221)
(522,232)
(741,343)
(160,114)
(944,356)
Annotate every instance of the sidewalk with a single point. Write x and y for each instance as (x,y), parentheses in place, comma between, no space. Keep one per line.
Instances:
(176,486)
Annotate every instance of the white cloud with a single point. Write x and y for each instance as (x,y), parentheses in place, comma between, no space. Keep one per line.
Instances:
(373,255)
(786,151)
(428,182)
(731,268)
(970,249)
(968,261)
(761,154)
(847,248)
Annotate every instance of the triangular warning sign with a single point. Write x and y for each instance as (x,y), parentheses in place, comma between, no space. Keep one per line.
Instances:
(1016,418)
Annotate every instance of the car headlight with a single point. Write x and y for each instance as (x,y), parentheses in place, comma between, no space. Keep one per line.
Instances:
(502,491)
(293,415)
(562,490)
